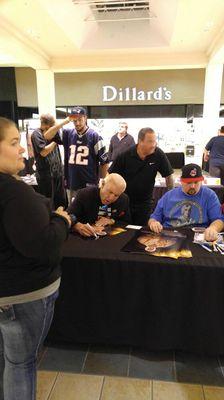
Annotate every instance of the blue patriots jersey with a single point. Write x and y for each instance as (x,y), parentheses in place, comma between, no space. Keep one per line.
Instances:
(82,156)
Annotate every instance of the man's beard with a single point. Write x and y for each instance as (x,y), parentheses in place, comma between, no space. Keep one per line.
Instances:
(191,191)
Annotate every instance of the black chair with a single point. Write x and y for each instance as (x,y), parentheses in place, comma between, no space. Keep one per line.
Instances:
(177,160)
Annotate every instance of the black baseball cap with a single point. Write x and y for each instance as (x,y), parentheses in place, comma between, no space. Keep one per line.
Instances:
(191,173)
(78,111)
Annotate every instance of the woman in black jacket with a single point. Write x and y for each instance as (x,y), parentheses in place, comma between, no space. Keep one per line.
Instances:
(31,236)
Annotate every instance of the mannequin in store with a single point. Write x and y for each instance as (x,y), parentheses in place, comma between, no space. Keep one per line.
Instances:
(191,204)
(120,142)
(49,168)
(214,153)
(139,166)
(31,237)
(85,154)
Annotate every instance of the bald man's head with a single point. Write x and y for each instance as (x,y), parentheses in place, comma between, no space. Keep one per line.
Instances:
(111,188)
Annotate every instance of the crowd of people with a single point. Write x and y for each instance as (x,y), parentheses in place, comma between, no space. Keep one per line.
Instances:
(33,226)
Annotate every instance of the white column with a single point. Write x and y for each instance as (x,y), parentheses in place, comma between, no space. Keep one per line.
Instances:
(45,91)
(212,97)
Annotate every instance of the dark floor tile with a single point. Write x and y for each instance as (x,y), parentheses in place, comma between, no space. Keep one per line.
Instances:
(107,360)
(221,363)
(64,358)
(151,365)
(198,369)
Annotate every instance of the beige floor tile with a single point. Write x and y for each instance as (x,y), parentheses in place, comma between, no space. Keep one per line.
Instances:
(77,387)
(176,391)
(45,382)
(213,393)
(126,389)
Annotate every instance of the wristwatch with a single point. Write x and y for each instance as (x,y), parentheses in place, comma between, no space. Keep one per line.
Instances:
(73,219)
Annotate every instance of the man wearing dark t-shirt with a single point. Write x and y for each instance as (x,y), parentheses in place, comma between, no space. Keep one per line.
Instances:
(49,168)
(139,166)
(120,142)
(214,153)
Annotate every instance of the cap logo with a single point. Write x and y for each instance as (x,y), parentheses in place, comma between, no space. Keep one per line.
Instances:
(193,172)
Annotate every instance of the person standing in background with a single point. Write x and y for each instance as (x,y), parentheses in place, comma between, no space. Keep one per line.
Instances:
(31,237)
(49,168)
(139,166)
(214,153)
(84,151)
(120,142)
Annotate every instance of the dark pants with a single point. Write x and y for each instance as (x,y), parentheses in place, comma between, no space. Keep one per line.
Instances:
(140,212)
(215,171)
(54,189)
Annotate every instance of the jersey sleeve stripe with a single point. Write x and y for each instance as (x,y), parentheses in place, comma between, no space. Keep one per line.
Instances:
(98,146)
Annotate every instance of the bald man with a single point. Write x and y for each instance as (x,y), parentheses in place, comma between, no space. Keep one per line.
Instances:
(102,205)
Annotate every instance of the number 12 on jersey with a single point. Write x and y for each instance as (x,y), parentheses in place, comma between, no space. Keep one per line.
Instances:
(78,155)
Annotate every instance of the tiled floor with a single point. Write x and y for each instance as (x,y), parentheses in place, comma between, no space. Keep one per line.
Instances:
(120,373)
(134,363)
(65,386)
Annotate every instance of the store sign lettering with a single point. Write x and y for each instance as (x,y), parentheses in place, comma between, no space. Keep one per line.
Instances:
(111,93)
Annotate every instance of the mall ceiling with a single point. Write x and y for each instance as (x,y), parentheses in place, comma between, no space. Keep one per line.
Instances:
(95,35)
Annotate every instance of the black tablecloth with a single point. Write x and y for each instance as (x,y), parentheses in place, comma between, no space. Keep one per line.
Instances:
(108,296)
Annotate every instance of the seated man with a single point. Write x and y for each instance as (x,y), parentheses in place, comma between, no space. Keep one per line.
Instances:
(100,206)
(189,205)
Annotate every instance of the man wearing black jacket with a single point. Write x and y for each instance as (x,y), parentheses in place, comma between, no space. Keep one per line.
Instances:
(120,142)
(103,205)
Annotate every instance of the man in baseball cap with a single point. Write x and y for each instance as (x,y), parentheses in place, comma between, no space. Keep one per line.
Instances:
(85,156)
(190,204)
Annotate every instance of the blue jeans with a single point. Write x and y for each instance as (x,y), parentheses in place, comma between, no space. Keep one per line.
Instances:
(23,328)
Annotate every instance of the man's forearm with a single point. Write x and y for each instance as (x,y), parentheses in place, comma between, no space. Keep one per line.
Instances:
(218,225)
(48,149)
(169,182)
(103,170)
(51,132)
(206,155)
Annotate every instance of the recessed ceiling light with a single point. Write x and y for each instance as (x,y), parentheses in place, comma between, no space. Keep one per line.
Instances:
(208,26)
(33,33)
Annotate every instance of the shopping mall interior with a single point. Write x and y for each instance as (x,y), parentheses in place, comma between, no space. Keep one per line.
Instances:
(155,63)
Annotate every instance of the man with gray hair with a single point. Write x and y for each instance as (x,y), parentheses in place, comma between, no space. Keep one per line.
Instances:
(120,142)
(139,166)
(101,205)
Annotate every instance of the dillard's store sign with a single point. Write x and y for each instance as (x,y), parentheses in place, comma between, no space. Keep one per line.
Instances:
(111,93)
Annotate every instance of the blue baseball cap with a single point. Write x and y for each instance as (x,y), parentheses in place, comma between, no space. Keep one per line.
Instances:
(78,111)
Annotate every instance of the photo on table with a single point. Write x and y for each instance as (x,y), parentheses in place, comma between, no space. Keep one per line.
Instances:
(171,244)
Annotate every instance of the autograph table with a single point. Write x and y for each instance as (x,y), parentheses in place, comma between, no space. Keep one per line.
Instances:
(108,296)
